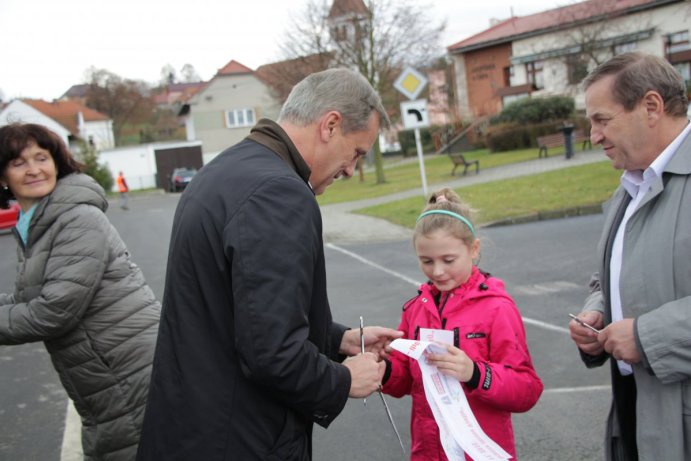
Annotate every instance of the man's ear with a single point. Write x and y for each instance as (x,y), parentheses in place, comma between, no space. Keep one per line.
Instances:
(654,106)
(329,122)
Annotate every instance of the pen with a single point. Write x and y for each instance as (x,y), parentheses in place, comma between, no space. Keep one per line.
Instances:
(362,347)
(388,413)
(581,322)
(383,400)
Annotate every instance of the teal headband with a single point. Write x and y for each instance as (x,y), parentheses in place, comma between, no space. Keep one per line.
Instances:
(449,213)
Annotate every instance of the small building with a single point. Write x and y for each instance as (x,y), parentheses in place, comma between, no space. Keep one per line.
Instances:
(69,119)
(149,166)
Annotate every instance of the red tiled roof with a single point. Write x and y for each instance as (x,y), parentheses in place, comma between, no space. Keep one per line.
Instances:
(344,7)
(66,112)
(518,26)
(234,67)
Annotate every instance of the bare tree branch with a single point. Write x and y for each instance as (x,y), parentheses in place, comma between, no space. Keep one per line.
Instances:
(378,38)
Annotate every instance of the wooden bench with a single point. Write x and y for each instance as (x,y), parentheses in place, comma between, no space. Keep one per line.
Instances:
(557,140)
(459,160)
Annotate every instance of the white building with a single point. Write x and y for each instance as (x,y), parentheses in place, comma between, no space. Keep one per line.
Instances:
(69,119)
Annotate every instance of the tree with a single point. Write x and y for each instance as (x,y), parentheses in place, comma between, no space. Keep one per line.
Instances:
(124,101)
(168,75)
(378,38)
(88,155)
(596,31)
(189,74)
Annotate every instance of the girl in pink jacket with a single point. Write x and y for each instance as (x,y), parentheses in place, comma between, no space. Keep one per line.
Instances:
(489,356)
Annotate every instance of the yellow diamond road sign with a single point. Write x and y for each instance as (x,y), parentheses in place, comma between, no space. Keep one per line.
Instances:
(410,83)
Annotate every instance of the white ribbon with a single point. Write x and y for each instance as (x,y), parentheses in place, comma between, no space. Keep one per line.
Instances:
(459,430)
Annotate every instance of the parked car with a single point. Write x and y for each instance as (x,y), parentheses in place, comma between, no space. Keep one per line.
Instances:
(180,178)
(9,216)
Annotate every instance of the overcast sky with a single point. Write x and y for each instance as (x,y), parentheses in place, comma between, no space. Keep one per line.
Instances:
(48,44)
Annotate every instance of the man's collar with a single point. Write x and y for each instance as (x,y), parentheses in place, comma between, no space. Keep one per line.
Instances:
(270,135)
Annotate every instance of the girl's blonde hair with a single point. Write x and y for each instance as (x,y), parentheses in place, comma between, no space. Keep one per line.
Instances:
(439,214)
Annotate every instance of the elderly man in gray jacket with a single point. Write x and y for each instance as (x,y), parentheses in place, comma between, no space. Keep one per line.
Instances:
(641,296)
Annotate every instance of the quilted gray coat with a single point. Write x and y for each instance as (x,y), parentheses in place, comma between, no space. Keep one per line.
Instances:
(77,290)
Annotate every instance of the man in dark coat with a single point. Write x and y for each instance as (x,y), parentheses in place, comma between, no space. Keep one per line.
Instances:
(248,357)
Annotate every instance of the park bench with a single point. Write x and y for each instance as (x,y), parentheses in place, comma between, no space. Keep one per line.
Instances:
(459,160)
(557,140)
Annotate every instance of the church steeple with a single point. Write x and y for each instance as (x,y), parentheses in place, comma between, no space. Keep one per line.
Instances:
(347,20)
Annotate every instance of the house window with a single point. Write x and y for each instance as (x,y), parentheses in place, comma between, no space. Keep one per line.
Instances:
(624,48)
(676,42)
(239,118)
(684,68)
(534,72)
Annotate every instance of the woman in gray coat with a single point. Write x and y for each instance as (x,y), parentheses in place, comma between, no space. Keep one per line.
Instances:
(77,290)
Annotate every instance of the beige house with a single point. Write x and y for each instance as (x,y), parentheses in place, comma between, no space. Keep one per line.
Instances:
(223,111)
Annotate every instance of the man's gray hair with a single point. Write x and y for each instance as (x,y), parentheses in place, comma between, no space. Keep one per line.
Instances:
(635,73)
(342,90)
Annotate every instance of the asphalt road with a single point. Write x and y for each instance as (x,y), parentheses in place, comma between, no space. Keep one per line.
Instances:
(545,266)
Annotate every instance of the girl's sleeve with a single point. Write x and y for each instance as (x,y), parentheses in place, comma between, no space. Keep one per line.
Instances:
(397,380)
(508,380)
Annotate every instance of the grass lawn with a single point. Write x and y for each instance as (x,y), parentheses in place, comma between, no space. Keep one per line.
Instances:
(579,186)
(407,176)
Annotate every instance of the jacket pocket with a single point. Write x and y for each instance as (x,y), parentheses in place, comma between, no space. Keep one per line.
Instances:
(292,442)
(474,341)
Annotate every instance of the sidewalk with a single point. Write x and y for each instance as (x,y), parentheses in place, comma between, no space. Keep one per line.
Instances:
(341,225)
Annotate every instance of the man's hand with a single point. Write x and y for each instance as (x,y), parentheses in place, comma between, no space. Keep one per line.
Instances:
(366,374)
(377,340)
(619,341)
(585,339)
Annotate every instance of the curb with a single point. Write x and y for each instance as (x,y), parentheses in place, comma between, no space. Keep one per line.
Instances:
(545,215)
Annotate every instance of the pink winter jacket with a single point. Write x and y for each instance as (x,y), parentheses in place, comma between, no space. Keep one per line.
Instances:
(488,327)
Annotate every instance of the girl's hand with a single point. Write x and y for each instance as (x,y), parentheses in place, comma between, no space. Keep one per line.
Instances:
(455,363)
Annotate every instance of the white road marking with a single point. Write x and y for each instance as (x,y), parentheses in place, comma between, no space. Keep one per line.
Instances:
(548,287)
(416,283)
(373,264)
(568,390)
(72,437)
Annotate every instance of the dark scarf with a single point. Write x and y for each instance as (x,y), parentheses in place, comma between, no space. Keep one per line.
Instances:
(270,135)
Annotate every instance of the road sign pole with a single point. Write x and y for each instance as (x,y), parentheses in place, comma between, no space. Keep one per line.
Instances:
(414,113)
(421,160)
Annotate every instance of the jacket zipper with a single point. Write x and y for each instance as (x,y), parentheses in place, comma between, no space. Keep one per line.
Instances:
(442,305)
